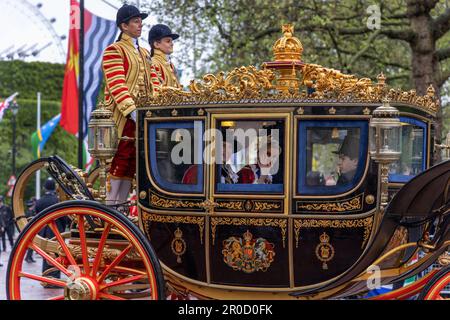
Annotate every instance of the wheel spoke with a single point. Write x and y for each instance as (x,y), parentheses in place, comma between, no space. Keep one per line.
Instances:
(109,296)
(52,261)
(54,282)
(101,245)
(116,261)
(122,281)
(84,251)
(62,243)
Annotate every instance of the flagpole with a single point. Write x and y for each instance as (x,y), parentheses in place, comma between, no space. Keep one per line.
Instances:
(80,88)
(38,126)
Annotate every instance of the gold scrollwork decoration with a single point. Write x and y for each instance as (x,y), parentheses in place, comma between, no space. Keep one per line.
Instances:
(256,222)
(159,202)
(200,221)
(231,205)
(354,204)
(266,206)
(365,223)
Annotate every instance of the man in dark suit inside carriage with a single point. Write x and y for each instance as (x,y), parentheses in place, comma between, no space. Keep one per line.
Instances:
(348,159)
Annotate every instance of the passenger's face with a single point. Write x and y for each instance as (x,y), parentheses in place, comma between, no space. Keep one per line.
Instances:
(133,28)
(346,164)
(165,45)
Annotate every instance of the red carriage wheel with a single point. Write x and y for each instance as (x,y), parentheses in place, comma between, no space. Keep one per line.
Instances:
(104,256)
(434,289)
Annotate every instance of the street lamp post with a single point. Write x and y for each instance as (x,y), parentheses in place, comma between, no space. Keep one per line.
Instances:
(14,110)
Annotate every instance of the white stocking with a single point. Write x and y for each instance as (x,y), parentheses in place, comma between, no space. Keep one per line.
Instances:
(113,194)
(124,191)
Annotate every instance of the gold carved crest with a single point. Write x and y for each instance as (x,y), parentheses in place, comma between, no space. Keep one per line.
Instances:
(247,254)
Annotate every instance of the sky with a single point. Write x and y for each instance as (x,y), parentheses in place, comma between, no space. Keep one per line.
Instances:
(27,27)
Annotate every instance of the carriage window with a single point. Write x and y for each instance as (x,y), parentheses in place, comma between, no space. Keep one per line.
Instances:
(176,151)
(331,155)
(250,156)
(413,153)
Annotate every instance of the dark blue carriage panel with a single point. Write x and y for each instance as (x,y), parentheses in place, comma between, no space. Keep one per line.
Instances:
(334,137)
(413,158)
(171,176)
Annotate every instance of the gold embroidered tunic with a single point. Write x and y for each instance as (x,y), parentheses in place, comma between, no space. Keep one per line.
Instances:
(127,72)
(163,72)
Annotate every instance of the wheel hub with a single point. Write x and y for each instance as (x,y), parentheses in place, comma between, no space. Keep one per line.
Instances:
(81,289)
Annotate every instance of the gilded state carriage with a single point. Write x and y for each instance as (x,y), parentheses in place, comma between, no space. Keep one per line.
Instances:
(302,229)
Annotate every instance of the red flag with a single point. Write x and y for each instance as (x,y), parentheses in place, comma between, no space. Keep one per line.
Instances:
(69,103)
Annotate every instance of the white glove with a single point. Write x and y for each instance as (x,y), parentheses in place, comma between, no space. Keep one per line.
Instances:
(133,115)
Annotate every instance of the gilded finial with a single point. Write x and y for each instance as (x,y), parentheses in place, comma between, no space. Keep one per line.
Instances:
(430,91)
(288,30)
(288,47)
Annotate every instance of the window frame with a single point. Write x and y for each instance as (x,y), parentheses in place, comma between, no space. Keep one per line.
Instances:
(180,188)
(302,189)
(279,189)
(402,178)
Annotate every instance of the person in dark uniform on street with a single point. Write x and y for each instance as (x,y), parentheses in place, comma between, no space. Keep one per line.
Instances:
(48,199)
(8,219)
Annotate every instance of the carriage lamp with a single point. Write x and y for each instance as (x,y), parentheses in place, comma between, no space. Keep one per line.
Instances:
(384,143)
(102,142)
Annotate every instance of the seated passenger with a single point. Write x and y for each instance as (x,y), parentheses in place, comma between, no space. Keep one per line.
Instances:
(268,161)
(348,159)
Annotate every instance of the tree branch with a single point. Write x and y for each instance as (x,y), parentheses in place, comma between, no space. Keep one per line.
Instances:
(372,37)
(406,34)
(441,24)
(443,54)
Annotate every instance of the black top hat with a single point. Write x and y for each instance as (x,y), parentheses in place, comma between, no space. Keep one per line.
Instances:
(49,184)
(349,147)
(159,31)
(126,12)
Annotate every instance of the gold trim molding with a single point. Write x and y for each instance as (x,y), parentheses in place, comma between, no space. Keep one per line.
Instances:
(354,204)
(255,222)
(366,223)
(148,218)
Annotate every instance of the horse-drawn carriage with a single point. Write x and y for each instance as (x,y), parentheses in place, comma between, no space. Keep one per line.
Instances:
(327,191)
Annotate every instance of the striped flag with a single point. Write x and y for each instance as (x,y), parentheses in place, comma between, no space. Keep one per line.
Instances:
(98,34)
(5,104)
(40,137)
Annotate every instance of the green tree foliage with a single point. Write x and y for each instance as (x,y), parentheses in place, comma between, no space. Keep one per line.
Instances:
(31,77)
(28,79)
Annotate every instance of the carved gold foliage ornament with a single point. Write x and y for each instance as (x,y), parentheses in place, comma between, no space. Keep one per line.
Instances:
(365,223)
(266,206)
(354,204)
(324,250)
(256,222)
(163,203)
(200,221)
(249,84)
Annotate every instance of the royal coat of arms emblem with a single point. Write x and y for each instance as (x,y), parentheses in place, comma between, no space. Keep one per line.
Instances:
(247,254)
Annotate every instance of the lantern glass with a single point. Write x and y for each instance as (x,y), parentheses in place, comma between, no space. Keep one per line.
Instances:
(390,140)
(104,141)
(91,138)
(373,140)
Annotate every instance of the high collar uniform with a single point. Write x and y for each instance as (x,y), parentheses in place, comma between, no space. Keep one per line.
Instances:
(127,73)
(163,72)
